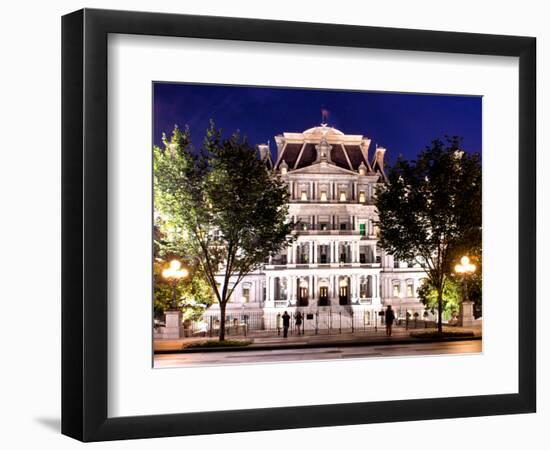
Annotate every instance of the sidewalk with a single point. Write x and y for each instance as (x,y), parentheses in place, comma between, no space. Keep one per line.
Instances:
(269,340)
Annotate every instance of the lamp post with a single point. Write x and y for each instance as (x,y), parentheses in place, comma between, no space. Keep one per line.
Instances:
(464,269)
(173,327)
(174,273)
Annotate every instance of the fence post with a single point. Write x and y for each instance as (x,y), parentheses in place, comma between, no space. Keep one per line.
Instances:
(352,322)
(210,327)
(340,329)
(317,322)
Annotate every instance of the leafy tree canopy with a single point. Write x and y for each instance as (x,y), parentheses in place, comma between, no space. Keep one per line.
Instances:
(222,205)
(430,210)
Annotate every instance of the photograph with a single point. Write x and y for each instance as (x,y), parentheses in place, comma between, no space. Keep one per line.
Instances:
(300,224)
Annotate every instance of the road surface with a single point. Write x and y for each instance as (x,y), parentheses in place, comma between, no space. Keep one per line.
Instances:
(312,354)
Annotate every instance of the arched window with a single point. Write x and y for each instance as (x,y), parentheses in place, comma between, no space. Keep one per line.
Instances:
(410,288)
(396,288)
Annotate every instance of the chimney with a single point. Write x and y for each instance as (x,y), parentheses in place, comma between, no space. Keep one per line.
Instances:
(378,160)
(265,154)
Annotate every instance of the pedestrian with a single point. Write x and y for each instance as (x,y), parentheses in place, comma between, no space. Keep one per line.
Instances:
(298,321)
(279,322)
(390,317)
(286,324)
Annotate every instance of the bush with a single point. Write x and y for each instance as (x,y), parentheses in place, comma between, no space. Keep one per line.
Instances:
(216,343)
(445,333)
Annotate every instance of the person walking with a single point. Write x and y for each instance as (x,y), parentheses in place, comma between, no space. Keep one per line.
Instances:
(390,317)
(279,322)
(286,324)
(298,321)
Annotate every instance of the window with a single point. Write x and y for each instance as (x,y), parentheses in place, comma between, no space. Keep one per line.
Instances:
(323,196)
(362,197)
(396,290)
(303,197)
(410,289)
(246,294)
(362,229)
(363,288)
(342,196)
(324,227)
(343,226)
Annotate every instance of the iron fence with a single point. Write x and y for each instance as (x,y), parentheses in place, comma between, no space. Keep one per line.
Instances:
(312,322)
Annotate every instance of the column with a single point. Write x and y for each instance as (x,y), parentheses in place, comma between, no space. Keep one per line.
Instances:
(289,255)
(289,282)
(268,293)
(315,287)
(310,287)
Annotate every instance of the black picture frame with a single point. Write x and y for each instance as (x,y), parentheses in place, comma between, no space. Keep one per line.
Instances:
(84,224)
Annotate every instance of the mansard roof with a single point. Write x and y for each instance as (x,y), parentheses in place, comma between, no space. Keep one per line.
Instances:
(299,150)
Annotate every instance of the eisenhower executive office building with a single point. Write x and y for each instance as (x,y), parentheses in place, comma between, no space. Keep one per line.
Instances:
(334,268)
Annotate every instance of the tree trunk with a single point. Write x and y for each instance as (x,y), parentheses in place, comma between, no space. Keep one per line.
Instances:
(222,321)
(440,309)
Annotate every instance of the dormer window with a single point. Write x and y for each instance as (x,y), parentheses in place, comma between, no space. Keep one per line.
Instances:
(362,197)
(303,197)
(343,196)
(323,196)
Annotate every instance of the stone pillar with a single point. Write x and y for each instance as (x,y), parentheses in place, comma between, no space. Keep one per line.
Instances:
(466,318)
(270,294)
(173,328)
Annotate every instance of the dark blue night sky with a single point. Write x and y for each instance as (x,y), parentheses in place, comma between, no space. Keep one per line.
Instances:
(403,123)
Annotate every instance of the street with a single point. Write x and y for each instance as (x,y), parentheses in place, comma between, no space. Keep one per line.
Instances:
(311,354)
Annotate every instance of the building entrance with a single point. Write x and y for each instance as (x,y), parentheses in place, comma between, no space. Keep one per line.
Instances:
(344,295)
(323,296)
(302,299)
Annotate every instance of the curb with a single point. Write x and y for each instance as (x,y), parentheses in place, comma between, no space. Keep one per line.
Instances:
(263,347)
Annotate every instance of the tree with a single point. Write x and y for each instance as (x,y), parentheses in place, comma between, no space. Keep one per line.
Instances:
(224,206)
(193,293)
(430,210)
(451,296)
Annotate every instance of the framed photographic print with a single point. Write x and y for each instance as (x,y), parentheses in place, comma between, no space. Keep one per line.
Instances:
(273,225)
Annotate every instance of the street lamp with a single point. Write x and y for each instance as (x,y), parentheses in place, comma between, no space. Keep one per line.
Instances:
(465,268)
(174,273)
